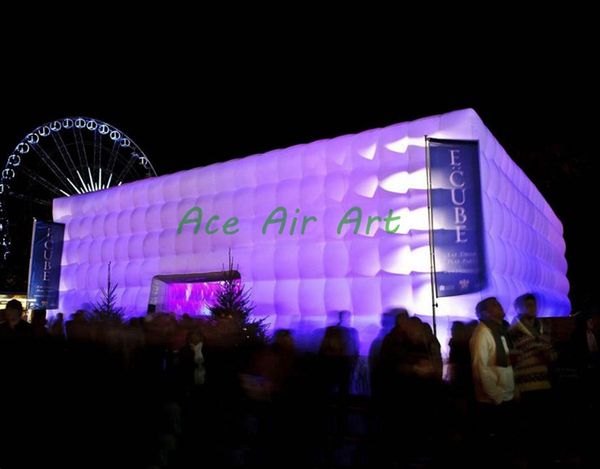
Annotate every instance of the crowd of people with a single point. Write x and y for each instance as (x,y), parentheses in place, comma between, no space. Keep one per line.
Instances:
(168,392)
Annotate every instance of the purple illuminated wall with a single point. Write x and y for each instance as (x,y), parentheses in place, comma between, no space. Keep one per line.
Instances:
(296,279)
(192,298)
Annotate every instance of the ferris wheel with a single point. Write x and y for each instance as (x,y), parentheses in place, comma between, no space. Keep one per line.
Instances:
(65,157)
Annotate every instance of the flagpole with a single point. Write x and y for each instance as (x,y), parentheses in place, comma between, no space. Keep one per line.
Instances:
(29,295)
(431,244)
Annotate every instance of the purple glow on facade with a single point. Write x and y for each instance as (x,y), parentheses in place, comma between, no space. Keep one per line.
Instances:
(194,298)
(296,279)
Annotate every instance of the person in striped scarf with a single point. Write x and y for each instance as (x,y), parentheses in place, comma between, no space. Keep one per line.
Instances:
(533,349)
(533,356)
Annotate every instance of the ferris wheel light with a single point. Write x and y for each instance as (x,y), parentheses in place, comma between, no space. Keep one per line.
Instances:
(32,138)
(44,131)
(92,125)
(109,179)
(22,148)
(115,135)
(103,129)
(125,142)
(80,123)
(67,123)
(143,161)
(14,160)
(55,126)
(68,195)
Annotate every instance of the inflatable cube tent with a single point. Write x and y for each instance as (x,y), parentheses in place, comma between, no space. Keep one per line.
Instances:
(297,280)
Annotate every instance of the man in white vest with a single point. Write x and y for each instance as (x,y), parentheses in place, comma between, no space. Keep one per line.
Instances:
(490,355)
(493,376)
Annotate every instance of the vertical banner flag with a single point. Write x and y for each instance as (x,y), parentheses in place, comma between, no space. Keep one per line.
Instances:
(456,217)
(44,265)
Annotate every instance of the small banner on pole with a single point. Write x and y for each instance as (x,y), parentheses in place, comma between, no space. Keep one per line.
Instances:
(44,265)
(456,217)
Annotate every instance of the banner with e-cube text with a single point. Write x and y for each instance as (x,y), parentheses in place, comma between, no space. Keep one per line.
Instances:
(44,264)
(456,217)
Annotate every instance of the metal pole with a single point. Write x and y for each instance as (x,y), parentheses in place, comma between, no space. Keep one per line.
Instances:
(431,244)
(30,265)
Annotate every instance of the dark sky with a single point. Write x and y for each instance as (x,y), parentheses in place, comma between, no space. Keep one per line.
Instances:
(194,114)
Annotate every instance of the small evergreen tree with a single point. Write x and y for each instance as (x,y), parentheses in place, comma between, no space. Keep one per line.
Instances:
(106,310)
(234,305)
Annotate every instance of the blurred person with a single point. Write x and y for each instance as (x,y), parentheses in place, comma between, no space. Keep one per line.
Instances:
(435,352)
(388,321)
(339,354)
(18,377)
(284,351)
(15,325)
(191,361)
(585,342)
(38,323)
(459,358)
(57,327)
(393,355)
(77,328)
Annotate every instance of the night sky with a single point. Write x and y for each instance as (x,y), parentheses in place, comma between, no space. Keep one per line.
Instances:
(185,115)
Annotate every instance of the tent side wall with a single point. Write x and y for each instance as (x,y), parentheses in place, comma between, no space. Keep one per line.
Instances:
(525,249)
(296,279)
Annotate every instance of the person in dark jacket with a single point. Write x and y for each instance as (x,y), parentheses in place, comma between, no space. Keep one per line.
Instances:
(14,326)
(339,354)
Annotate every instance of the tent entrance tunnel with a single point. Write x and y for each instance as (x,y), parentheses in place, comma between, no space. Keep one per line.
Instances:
(193,294)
